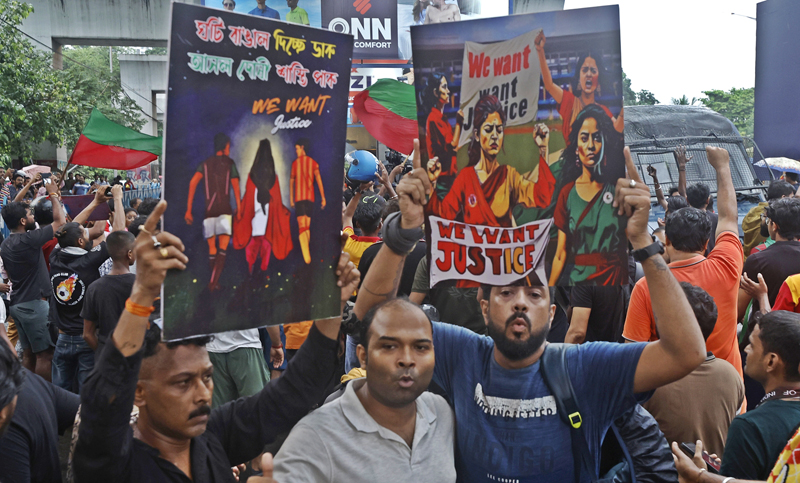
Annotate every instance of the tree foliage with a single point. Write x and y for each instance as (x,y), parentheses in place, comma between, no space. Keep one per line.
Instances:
(684,101)
(96,84)
(633,98)
(37,103)
(735,104)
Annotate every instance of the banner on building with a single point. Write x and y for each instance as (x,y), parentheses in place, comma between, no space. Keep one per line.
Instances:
(520,122)
(253,169)
(303,12)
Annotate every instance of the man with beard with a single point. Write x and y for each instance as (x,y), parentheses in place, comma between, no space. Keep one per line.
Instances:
(178,436)
(756,235)
(508,428)
(388,412)
(24,262)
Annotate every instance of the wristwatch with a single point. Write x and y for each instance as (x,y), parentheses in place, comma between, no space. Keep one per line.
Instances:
(643,254)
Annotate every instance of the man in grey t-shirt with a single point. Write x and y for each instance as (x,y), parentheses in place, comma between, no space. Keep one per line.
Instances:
(408,432)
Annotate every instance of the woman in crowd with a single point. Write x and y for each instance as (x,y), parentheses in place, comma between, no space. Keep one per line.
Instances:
(591,239)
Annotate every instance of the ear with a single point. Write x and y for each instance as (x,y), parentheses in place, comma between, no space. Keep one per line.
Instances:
(361,353)
(552,312)
(773,363)
(138,398)
(485,310)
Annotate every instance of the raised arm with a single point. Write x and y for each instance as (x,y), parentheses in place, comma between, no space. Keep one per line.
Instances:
(59,218)
(681,347)
(682,159)
(726,196)
(384,274)
(556,91)
(119,210)
(99,199)
(24,191)
(350,209)
(651,171)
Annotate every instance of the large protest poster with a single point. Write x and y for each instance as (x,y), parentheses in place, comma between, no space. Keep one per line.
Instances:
(253,170)
(520,123)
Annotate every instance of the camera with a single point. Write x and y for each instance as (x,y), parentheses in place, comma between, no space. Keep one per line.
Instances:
(394,159)
(108,191)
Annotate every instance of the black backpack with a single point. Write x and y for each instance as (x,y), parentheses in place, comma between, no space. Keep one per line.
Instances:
(648,457)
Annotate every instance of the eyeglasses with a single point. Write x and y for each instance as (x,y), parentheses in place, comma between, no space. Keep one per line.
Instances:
(764,217)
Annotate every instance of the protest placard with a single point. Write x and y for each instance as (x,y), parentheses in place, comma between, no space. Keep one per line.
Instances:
(520,122)
(255,125)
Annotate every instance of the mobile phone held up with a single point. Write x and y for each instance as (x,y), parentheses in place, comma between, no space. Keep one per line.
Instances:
(689,449)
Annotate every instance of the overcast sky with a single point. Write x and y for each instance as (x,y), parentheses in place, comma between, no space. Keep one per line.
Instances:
(681,47)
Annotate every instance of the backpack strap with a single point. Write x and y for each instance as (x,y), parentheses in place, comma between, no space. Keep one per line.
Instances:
(554,371)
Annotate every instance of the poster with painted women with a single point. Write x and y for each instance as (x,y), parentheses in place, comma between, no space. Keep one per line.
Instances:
(253,171)
(520,125)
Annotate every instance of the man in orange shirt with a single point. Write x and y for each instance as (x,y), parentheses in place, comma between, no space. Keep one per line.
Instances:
(304,171)
(686,239)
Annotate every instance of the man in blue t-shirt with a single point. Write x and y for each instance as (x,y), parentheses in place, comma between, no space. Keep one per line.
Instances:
(262,10)
(508,427)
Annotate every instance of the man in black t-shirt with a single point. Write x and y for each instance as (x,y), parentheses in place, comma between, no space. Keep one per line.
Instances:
(105,299)
(33,413)
(782,258)
(73,267)
(24,262)
(598,313)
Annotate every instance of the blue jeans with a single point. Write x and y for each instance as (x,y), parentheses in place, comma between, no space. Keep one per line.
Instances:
(73,360)
(350,356)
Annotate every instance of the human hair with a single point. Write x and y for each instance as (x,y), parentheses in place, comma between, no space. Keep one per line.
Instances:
(429,96)
(780,334)
(136,225)
(368,213)
(134,203)
(703,306)
(11,374)
(785,212)
(147,206)
(366,321)
(416,10)
(392,206)
(697,195)
(687,229)
(18,174)
(305,143)
(608,169)
(675,203)
(131,210)
(778,189)
(13,212)
(119,243)
(575,82)
(485,107)
(674,191)
(792,176)
(263,172)
(69,234)
(152,341)
(42,210)
(220,141)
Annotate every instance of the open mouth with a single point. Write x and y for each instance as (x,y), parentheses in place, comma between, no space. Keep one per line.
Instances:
(406,381)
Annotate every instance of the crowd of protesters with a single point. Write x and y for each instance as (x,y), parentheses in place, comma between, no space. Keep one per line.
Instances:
(690,370)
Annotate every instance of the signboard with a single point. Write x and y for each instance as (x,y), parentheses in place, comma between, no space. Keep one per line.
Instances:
(521,127)
(373,23)
(252,159)
(304,12)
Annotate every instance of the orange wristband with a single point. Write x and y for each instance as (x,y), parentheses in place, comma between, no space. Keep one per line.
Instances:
(138,310)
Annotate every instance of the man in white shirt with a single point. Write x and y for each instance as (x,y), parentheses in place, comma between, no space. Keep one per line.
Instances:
(408,432)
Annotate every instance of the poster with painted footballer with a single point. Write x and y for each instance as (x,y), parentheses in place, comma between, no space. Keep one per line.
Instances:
(253,171)
(520,123)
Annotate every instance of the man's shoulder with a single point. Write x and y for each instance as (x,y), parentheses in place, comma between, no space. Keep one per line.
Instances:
(437,404)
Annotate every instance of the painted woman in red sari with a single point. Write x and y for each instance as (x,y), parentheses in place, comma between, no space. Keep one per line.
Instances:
(485,192)
(261,227)
(585,86)
(441,138)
